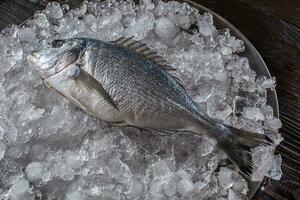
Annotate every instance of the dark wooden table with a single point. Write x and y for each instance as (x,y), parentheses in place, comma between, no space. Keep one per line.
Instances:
(273,26)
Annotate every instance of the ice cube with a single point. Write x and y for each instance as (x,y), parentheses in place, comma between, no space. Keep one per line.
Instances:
(238,46)
(161,168)
(164,28)
(54,11)
(225,178)
(26,34)
(226,50)
(141,27)
(185,22)
(266,163)
(3,46)
(148,4)
(205,24)
(185,186)
(79,11)
(207,146)
(2,148)
(274,136)
(8,130)
(253,113)
(268,83)
(274,123)
(34,171)
(267,111)
(218,108)
(232,195)
(20,190)
(75,195)
(41,20)
(135,190)
(73,160)
(169,187)
(31,113)
(155,191)
(128,20)
(275,171)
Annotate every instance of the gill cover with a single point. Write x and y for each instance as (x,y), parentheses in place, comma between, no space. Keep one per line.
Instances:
(52,58)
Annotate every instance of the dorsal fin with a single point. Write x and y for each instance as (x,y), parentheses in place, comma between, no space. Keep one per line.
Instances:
(144,50)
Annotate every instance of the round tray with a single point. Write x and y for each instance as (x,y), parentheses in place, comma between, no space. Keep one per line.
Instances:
(255,60)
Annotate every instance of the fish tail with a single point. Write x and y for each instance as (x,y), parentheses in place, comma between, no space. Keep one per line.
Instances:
(237,144)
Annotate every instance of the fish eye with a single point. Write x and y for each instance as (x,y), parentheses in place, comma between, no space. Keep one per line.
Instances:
(57,43)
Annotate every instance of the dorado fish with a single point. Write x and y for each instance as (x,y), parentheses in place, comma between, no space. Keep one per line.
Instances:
(127,84)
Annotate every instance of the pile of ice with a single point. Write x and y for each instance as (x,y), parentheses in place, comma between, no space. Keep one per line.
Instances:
(49,149)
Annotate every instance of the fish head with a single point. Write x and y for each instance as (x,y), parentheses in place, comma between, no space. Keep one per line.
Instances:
(52,58)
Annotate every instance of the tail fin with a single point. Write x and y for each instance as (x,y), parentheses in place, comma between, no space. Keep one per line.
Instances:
(237,144)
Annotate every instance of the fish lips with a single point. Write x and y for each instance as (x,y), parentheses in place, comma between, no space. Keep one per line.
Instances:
(33,61)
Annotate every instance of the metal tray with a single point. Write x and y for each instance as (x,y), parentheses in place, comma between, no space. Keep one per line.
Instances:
(255,60)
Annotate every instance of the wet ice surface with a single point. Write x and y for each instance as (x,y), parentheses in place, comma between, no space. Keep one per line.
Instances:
(51,149)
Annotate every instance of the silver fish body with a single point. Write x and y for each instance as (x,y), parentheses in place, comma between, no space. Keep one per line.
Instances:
(124,86)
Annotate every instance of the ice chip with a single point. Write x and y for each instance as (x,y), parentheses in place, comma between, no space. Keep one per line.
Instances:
(218,108)
(225,178)
(169,188)
(80,11)
(275,171)
(141,27)
(54,11)
(75,195)
(165,28)
(161,168)
(148,3)
(2,148)
(135,190)
(26,34)
(265,163)
(185,186)
(34,171)
(128,20)
(232,195)
(205,24)
(268,83)
(41,20)
(274,123)
(20,190)
(31,113)
(267,111)
(225,50)
(238,46)
(253,113)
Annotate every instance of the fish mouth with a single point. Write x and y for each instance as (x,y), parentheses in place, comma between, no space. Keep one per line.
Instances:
(35,60)
(32,61)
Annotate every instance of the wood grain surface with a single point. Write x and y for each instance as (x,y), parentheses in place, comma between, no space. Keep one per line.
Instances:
(273,26)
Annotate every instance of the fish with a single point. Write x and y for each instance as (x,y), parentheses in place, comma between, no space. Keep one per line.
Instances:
(125,83)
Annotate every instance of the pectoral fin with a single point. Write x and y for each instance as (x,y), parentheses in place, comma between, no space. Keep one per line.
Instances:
(86,81)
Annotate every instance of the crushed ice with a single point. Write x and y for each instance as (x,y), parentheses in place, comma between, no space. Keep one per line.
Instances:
(50,148)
